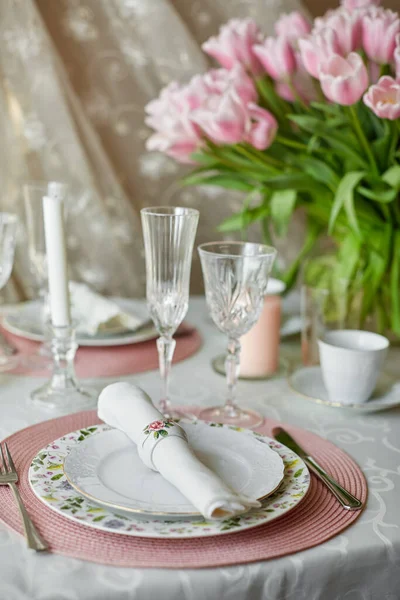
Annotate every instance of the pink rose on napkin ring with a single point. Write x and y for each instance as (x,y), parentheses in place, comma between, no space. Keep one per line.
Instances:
(158,428)
(155,432)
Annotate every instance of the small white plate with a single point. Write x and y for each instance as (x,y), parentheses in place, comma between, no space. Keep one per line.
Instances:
(50,485)
(26,322)
(308,382)
(106,468)
(291,325)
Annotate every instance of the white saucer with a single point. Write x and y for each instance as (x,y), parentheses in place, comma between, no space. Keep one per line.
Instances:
(307,381)
(26,322)
(106,469)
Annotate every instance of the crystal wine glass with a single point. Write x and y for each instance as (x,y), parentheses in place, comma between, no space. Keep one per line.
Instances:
(8,237)
(235,277)
(169,234)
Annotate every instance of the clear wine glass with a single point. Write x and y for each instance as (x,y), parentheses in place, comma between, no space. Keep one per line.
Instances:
(169,234)
(8,238)
(235,277)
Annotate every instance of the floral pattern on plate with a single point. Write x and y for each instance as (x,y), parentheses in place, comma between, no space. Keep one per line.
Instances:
(47,479)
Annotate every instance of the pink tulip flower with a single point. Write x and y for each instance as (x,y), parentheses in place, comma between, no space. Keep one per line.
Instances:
(318,48)
(277,57)
(379,30)
(354,4)
(169,115)
(347,27)
(384,98)
(397,57)
(292,26)
(234,44)
(344,80)
(301,83)
(217,81)
(223,119)
(321,22)
(262,128)
(227,120)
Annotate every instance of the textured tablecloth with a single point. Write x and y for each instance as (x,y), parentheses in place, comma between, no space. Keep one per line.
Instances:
(361,564)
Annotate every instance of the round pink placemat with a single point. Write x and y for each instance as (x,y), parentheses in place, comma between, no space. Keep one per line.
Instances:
(112,361)
(316,519)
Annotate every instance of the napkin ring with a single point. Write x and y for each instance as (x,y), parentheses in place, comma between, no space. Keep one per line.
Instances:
(154,433)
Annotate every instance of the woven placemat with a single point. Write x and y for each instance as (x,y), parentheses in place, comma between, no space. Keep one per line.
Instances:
(112,361)
(316,519)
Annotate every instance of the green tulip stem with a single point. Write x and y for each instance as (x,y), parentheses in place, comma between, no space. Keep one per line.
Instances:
(362,139)
(298,98)
(260,157)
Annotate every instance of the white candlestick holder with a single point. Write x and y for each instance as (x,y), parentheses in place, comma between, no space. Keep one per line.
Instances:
(63,391)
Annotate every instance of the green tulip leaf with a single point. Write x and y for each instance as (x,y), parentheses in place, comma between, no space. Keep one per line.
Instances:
(395,284)
(382,195)
(228,181)
(344,197)
(241,220)
(283,203)
(320,171)
(392,177)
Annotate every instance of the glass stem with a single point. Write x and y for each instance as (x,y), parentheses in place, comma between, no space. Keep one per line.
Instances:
(165,346)
(63,348)
(232,368)
(44,296)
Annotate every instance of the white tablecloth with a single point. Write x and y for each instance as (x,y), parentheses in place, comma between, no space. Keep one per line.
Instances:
(360,564)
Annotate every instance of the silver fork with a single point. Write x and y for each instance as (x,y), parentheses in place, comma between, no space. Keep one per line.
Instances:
(9,476)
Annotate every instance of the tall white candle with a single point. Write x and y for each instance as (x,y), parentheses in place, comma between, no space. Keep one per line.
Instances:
(57,265)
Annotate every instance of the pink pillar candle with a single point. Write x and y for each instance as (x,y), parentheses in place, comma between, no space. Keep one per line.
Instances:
(260,346)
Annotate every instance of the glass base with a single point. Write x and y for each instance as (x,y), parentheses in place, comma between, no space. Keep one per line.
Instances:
(232,416)
(35,361)
(175,414)
(66,400)
(31,362)
(8,363)
(218,364)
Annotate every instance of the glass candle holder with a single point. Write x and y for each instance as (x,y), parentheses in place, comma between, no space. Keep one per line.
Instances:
(63,391)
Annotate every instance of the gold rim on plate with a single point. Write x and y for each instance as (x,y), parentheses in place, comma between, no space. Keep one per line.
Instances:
(155,513)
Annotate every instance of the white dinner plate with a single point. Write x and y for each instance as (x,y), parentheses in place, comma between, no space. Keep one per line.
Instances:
(308,382)
(26,322)
(107,469)
(51,486)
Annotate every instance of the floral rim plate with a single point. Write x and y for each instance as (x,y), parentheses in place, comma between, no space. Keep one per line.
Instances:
(106,469)
(50,485)
(25,322)
(308,383)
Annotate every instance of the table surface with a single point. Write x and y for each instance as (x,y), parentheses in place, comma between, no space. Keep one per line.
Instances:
(360,564)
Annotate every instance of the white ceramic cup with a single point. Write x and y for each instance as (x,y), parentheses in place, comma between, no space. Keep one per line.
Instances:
(351,362)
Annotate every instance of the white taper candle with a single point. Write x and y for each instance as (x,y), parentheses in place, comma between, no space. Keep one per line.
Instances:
(57,265)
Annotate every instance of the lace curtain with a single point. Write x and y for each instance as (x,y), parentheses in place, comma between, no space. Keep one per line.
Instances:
(74,78)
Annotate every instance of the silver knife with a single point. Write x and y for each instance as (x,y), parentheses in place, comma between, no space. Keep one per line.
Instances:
(346,499)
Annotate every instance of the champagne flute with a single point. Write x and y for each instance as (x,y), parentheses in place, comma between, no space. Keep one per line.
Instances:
(169,234)
(236,278)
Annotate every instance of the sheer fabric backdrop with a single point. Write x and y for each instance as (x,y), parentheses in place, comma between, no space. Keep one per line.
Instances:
(74,78)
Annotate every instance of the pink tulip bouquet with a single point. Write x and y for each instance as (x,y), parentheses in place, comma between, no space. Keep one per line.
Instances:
(307,118)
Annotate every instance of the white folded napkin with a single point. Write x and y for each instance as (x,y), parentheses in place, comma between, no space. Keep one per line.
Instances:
(129,409)
(95,313)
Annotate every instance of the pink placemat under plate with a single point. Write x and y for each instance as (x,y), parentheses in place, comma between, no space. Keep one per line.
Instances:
(316,519)
(113,361)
